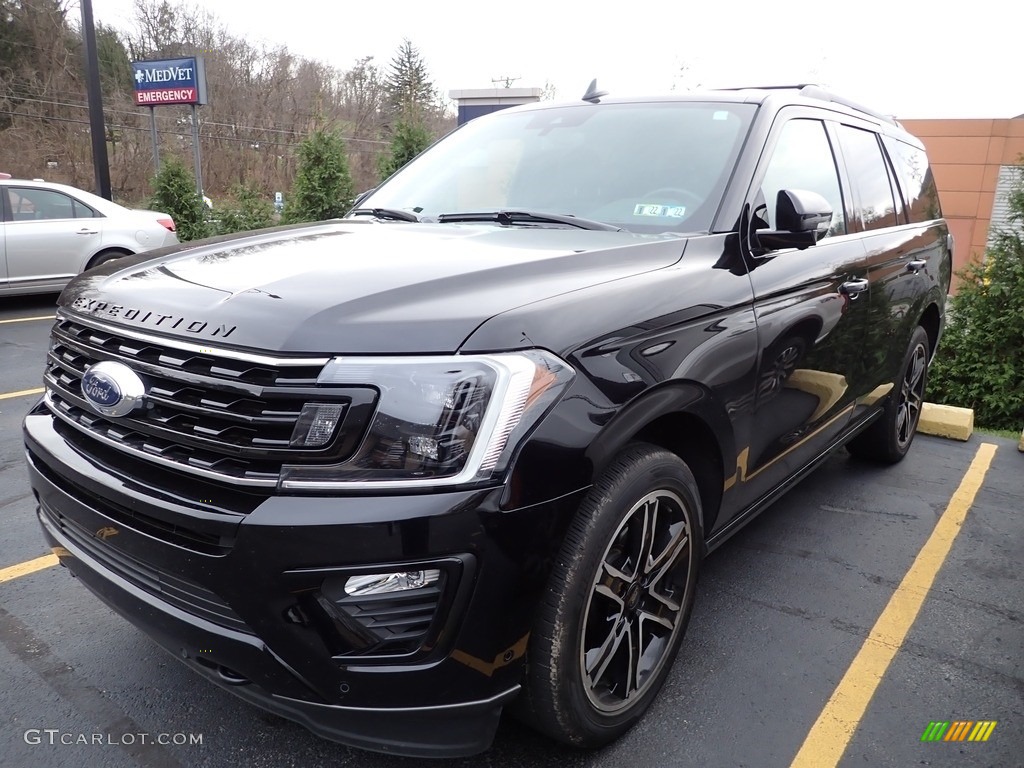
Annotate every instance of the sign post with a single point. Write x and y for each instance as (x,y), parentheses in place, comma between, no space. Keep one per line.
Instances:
(156,140)
(167,82)
(195,152)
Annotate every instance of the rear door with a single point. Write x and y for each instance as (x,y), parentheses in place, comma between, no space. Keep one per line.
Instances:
(810,307)
(50,236)
(902,260)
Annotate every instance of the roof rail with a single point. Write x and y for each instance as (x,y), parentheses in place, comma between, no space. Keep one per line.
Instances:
(817,91)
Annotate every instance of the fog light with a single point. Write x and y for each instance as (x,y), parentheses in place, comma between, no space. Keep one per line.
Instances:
(382,583)
(316,425)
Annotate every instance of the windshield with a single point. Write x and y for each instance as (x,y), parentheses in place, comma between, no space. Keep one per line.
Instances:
(647,167)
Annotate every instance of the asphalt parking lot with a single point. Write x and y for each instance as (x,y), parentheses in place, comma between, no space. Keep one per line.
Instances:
(805,648)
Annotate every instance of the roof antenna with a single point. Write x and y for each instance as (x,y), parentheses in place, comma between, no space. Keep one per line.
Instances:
(593,95)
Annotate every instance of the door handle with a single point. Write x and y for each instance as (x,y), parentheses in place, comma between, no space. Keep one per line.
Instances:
(853,288)
(87,232)
(916,265)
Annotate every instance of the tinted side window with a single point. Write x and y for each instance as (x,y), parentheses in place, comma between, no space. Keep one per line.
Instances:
(916,181)
(38,204)
(83,211)
(869,178)
(802,159)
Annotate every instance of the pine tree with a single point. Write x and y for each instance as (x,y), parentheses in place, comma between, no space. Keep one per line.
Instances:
(323,184)
(409,88)
(175,193)
(407,141)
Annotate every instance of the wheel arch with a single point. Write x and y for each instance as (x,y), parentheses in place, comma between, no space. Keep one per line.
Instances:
(681,417)
(106,252)
(931,321)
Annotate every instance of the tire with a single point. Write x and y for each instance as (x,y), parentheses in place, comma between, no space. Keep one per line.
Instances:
(587,684)
(889,437)
(104,256)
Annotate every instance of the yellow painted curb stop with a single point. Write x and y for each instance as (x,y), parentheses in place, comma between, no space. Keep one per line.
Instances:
(946,421)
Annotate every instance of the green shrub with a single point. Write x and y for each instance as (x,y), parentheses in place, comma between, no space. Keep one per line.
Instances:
(323,185)
(175,193)
(408,140)
(980,363)
(249,210)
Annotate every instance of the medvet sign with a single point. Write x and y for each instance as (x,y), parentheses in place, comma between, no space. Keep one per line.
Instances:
(170,81)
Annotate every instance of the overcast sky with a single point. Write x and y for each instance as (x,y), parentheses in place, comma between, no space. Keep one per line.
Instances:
(909,58)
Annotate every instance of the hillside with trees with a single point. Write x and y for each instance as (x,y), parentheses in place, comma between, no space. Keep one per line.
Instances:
(264,101)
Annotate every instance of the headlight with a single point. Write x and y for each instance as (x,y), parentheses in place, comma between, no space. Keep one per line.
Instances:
(439,420)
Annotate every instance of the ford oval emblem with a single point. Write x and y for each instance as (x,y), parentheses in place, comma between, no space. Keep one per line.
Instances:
(112,389)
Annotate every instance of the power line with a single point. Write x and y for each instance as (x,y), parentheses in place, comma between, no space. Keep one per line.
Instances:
(168,133)
(233,126)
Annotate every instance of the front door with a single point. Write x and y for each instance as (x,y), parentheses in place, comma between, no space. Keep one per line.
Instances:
(810,310)
(50,237)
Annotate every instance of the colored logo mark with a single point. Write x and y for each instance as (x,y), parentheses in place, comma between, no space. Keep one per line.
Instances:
(959,730)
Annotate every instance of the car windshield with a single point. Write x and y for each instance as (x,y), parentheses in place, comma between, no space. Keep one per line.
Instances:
(644,167)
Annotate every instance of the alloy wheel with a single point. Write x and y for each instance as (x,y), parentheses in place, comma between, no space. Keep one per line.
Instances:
(636,600)
(908,410)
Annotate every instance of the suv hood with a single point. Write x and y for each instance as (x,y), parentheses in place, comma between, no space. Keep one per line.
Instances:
(358,287)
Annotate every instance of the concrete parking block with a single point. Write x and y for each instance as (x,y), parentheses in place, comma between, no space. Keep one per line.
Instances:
(946,421)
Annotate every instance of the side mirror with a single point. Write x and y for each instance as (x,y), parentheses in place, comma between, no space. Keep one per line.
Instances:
(362,196)
(801,216)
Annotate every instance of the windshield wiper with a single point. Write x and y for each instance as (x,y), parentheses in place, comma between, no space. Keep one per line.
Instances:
(527,217)
(385,213)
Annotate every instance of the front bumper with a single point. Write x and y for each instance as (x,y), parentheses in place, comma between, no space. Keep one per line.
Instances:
(225,580)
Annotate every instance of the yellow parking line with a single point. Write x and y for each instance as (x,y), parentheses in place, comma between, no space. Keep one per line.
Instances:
(21,393)
(835,726)
(27,319)
(30,566)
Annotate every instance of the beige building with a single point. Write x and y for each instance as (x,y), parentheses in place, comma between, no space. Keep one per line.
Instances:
(973,162)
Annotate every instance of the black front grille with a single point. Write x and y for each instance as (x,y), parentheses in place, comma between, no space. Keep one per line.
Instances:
(175,590)
(207,411)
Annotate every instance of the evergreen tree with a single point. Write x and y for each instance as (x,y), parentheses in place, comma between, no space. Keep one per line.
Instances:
(980,362)
(323,185)
(409,88)
(175,193)
(408,140)
(250,210)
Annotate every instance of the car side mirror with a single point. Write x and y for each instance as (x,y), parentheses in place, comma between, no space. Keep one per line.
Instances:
(362,196)
(801,216)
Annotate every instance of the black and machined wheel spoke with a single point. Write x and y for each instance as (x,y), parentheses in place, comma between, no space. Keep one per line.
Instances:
(598,659)
(657,566)
(653,622)
(634,660)
(613,584)
(674,555)
(648,530)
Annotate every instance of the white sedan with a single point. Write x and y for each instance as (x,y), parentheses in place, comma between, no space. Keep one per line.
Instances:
(51,232)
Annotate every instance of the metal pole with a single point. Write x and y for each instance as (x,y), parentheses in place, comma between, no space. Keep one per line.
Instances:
(156,139)
(195,151)
(96,125)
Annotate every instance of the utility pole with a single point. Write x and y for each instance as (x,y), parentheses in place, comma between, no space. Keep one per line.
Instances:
(97,127)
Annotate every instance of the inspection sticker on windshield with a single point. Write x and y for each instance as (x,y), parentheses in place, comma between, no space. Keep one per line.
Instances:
(672,211)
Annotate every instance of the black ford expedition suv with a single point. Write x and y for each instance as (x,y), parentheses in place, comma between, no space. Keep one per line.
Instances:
(466,448)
